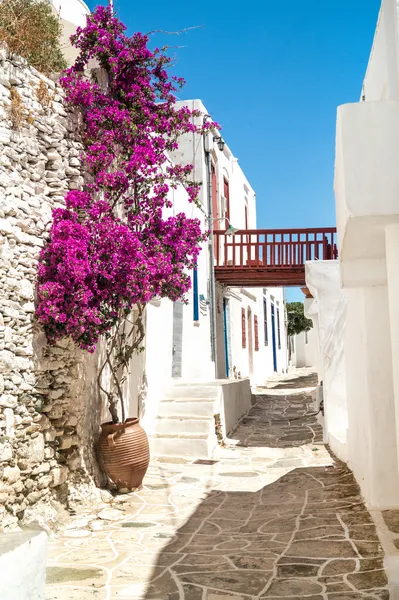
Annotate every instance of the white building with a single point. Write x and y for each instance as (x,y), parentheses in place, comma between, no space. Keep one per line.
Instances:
(72,14)
(251,338)
(304,349)
(355,305)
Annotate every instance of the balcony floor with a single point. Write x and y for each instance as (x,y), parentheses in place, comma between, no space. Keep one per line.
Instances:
(261,276)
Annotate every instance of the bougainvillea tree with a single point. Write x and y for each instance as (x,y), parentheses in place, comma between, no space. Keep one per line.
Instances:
(113,247)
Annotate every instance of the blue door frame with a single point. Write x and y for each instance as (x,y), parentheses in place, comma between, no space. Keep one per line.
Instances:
(274,338)
(226,339)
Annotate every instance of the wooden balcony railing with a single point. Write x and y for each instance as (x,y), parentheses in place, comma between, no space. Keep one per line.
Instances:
(273,249)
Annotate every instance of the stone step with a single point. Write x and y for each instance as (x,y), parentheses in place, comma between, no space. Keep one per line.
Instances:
(183,447)
(170,398)
(184,426)
(191,392)
(294,382)
(173,408)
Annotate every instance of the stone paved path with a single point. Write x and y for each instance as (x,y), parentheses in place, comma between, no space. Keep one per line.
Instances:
(274,517)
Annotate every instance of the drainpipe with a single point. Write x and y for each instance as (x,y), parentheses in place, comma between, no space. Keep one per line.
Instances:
(212,293)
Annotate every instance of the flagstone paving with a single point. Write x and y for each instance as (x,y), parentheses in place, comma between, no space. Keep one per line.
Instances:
(276,517)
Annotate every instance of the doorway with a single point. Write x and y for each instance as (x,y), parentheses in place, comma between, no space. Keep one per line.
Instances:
(250,341)
(227,336)
(274,338)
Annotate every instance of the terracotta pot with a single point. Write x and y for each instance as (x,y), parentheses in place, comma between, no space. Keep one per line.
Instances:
(306,292)
(124,453)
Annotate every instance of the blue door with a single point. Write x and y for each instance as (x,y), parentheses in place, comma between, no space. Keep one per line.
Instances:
(274,337)
(226,337)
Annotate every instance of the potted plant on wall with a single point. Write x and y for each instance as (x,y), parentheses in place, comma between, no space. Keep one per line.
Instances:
(112,248)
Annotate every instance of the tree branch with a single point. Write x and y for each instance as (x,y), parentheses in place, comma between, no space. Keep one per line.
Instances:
(175,32)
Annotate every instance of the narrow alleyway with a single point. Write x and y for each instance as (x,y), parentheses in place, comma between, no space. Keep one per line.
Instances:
(273,517)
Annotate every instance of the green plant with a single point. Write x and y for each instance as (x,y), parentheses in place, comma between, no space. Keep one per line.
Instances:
(31,29)
(297,322)
(116,245)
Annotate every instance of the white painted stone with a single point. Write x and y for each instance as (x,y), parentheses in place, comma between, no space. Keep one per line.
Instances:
(12,474)
(10,422)
(5,451)
(8,401)
(28,549)
(25,289)
(5,227)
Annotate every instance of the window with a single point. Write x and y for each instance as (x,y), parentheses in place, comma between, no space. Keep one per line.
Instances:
(215,204)
(256,333)
(243,329)
(265,321)
(226,194)
(216,223)
(278,329)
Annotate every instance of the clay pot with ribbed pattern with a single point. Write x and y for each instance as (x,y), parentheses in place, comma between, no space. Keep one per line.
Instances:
(124,453)
(306,292)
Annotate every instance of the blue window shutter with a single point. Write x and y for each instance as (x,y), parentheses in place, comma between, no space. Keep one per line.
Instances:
(195,294)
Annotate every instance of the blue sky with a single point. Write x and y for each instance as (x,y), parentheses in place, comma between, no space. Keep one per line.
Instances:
(272,73)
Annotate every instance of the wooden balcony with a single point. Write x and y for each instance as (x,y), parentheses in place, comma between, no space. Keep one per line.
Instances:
(270,257)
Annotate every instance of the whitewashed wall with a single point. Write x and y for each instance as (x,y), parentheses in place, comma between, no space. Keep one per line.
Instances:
(367,189)
(328,312)
(381,81)
(72,14)
(246,361)
(194,343)
(304,349)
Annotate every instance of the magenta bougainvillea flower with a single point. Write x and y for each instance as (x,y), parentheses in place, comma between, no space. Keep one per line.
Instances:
(114,245)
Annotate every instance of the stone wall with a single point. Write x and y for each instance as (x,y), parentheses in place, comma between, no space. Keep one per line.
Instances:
(46,435)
